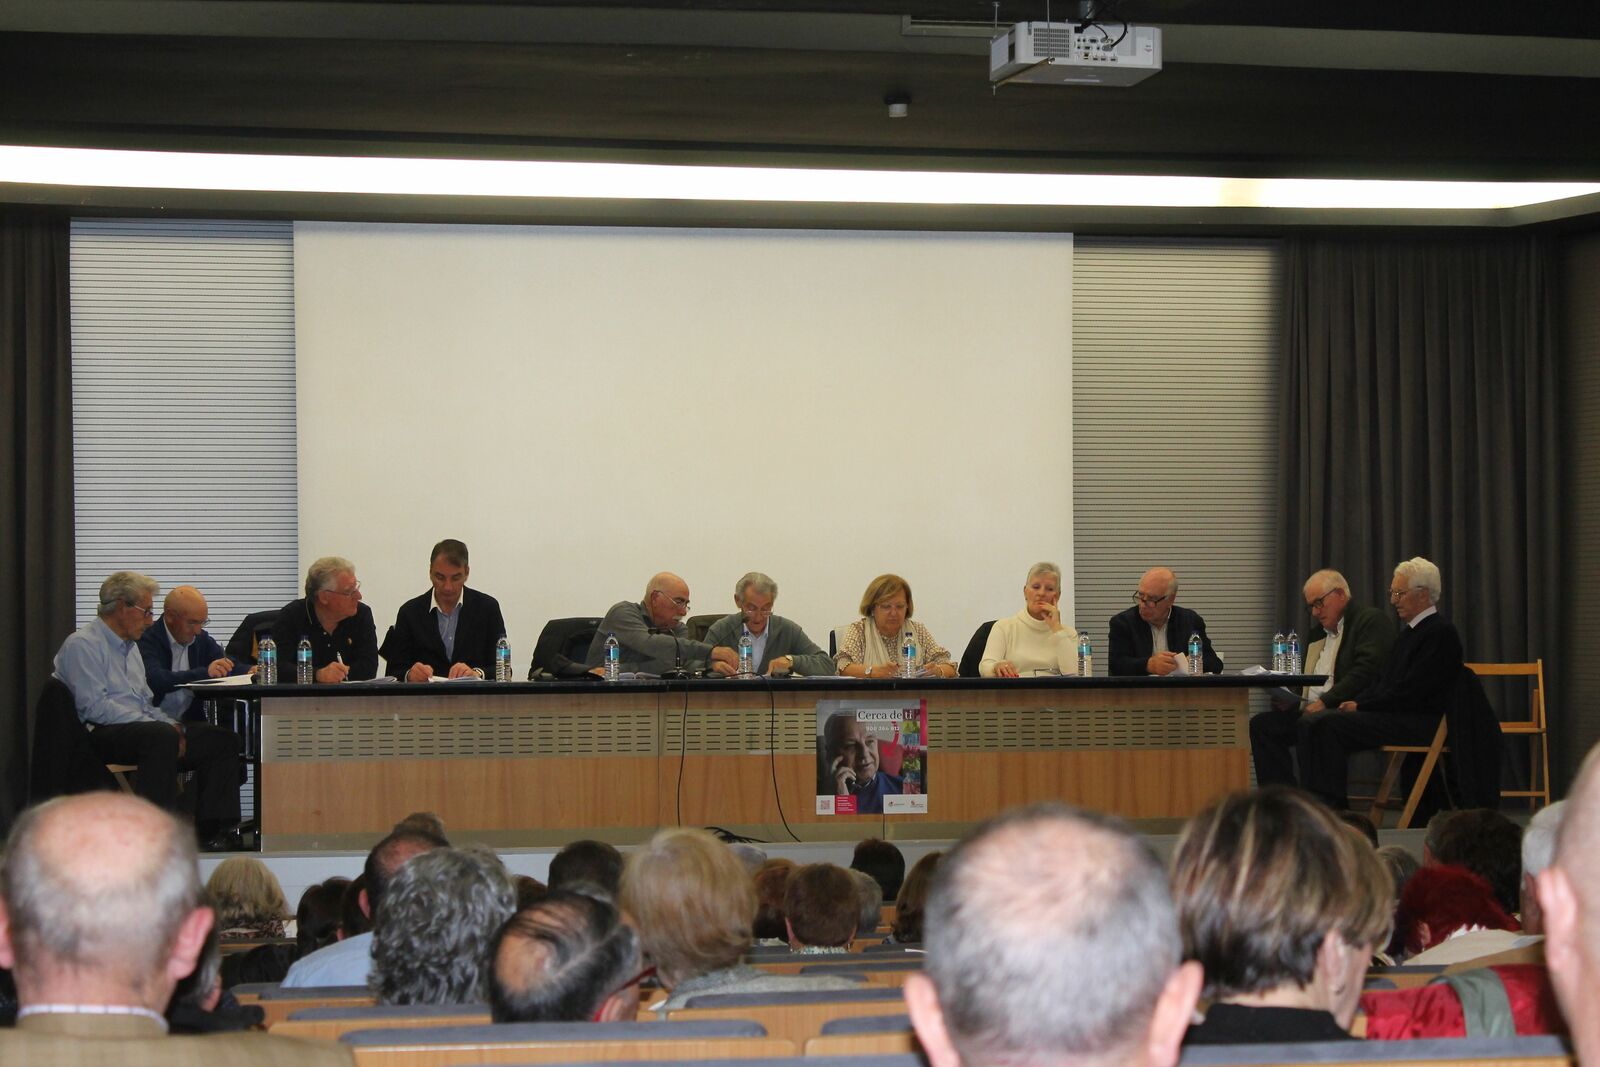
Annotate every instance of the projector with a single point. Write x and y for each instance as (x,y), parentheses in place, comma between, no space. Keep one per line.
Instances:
(1060,53)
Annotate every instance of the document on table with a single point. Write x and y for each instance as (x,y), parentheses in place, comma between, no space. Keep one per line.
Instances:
(231,679)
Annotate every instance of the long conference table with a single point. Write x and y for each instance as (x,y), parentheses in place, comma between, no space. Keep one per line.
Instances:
(543,763)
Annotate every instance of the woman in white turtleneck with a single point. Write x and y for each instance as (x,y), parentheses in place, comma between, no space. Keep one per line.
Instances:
(1035,639)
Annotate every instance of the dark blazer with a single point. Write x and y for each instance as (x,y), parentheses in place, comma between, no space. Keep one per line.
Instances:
(1424,667)
(1132,645)
(356,639)
(416,635)
(156,648)
(1363,652)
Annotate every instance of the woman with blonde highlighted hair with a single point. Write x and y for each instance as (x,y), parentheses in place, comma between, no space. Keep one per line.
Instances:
(1283,906)
(249,900)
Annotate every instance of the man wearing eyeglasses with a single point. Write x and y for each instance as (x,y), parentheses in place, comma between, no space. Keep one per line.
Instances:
(1150,637)
(343,636)
(1403,706)
(780,646)
(1350,644)
(102,666)
(653,637)
(177,650)
(568,958)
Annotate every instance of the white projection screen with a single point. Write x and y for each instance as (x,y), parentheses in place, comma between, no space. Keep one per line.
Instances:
(586,406)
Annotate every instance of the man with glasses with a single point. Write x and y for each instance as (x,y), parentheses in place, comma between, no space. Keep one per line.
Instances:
(344,639)
(1404,705)
(105,672)
(653,637)
(177,650)
(569,958)
(780,645)
(1350,644)
(1153,635)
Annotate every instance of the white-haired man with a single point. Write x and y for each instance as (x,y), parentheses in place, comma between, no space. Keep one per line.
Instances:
(778,645)
(343,636)
(100,917)
(1569,899)
(1405,704)
(1052,939)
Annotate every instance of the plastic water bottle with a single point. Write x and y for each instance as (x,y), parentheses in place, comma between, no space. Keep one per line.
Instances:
(302,663)
(747,654)
(1085,655)
(613,658)
(1294,653)
(1279,647)
(1197,657)
(908,654)
(267,662)
(502,660)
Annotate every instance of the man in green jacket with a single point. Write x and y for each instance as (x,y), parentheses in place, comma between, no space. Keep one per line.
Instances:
(1355,642)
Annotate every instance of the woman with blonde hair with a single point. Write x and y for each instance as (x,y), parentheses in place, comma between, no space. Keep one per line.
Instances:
(912,901)
(870,646)
(1283,906)
(249,901)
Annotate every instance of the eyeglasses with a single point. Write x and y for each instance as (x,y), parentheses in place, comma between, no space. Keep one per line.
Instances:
(1315,606)
(149,613)
(680,601)
(1396,594)
(1149,601)
(759,613)
(354,590)
(648,972)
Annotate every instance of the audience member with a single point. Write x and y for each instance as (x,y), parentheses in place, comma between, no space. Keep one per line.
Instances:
(1052,939)
(1282,905)
(430,939)
(694,907)
(1538,852)
(199,1003)
(425,822)
(316,918)
(1484,842)
(99,918)
(883,861)
(529,891)
(354,919)
(912,902)
(592,862)
(349,961)
(249,901)
(1361,824)
(869,902)
(1569,902)
(1440,902)
(752,856)
(820,907)
(771,882)
(1401,863)
(568,958)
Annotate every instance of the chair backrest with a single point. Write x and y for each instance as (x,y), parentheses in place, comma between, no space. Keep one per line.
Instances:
(697,625)
(563,646)
(331,1023)
(278,1003)
(1541,1051)
(974,653)
(864,1035)
(63,759)
(1534,672)
(794,1017)
(563,1042)
(241,647)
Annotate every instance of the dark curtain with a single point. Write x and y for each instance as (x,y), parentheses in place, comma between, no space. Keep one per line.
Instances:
(1418,417)
(36,581)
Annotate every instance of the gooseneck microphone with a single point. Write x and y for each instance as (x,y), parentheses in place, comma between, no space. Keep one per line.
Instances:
(677,670)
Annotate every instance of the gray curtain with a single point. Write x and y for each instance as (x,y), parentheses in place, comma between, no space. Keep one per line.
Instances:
(1418,417)
(36,580)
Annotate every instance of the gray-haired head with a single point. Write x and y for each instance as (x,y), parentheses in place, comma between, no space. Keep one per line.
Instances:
(1044,568)
(97,886)
(752,856)
(434,925)
(1325,581)
(1422,574)
(757,583)
(1539,839)
(1020,920)
(870,900)
(324,574)
(125,588)
(560,960)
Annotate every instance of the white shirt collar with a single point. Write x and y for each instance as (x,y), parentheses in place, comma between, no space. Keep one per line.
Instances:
(1431,609)
(92,1009)
(433,602)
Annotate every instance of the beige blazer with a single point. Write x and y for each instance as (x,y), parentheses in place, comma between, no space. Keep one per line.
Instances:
(133,1041)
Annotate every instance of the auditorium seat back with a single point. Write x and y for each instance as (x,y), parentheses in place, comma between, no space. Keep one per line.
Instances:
(796,1016)
(447,1046)
(331,1023)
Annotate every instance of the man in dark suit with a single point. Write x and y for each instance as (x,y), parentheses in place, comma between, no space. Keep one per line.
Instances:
(1352,643)
(177,650)
(1404,705)
(450,631)
(1134,632)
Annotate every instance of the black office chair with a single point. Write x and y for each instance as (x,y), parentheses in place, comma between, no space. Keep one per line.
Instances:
(563,648)
(242,645)
(64,760)
(697,625)
(974,653)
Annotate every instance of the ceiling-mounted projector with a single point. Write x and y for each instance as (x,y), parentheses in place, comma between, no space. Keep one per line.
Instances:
(1065,53)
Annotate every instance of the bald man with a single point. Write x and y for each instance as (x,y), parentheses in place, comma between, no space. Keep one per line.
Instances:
(177,649)
(100,916)
(1149,637)
(653,637)
(1569,900)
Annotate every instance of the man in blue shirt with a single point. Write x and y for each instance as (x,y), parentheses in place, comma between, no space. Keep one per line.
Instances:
(177,650)
(105,672)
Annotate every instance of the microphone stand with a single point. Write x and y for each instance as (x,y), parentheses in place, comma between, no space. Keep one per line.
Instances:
(677,672)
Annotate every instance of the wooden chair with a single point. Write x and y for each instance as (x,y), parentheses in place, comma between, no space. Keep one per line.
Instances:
(332,1023)
(120,772)
(449,1046)
(1391,774)
(794,1017)
(1533,728)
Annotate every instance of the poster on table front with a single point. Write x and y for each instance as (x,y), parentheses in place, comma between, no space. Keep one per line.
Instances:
(872,757)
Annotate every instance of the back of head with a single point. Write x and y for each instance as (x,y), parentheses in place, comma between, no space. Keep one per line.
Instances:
(587,862)
(195,989)
(883,861)
(1050,935)
(869,902)
(1444,899)
(1486,843)
(316,917)
(912,903)
(244,890)
(424,822)
(431,937)
(389,855)
(1539,839)
(1401,864)
(352,919)
(820,904)
(97,886)
(558,960)
(692,901)
(771,882)
(1261,877)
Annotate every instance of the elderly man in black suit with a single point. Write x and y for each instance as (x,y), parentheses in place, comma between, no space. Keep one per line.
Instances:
(445,632)
(1156,620)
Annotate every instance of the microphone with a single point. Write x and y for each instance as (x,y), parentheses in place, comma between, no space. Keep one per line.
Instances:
(677,670)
